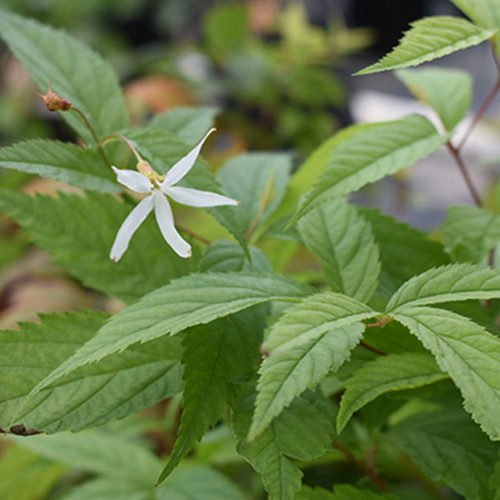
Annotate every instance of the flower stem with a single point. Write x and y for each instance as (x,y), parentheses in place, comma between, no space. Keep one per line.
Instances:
(373,349)
(196,236)
(128,142)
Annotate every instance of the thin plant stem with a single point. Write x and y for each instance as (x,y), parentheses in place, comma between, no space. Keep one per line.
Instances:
(196,236)
(373,349)
(126,141)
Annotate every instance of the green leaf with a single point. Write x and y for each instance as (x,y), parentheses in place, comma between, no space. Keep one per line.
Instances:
(470,232)
(223,256)
(114,388)
(163,150)
(259,181)
(349,492)
(79,231)
(52,57)
(61,161)
(215,355)
(187,302)
(371,153)
(466,351)
(447,284)
(429,39)
(343,242)
(187,124)
(450,448)
(106,488)
(404,251)
(447,91)
(287,374)
(307,493)
(302,431)
(394,372)
(484,12)
(495,481)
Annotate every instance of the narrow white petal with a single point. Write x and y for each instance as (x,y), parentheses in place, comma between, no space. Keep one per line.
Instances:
(133,180)
(195,198)
(165,220)
(184,165)
(129,227)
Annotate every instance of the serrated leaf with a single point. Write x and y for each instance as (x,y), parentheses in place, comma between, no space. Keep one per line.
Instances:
(288,373)
(215,355)
(187,302)
(393,372)
(302,431)
(466,351)
(187,124)
(92,395)
(464,463)
(448,91)
(404,251)
(79,231)
(349,492)
(484,12)
(259,181)
(371,153)
(53,57)
(451,283)
(343,242)
(61,161)
(470,232)
(429,39)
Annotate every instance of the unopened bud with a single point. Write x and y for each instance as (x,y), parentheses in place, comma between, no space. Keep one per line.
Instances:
(54,102)
(145,169)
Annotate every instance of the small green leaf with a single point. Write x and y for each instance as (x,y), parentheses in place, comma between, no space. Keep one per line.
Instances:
(450,448)
(466,351)
(343,242)
(92,395)
(448,91)
(79,231)
(187,302)
(394,372)
(369,154)
(451,283)
(470,232)
(187,124)
(429,39)
(53,57)
(61,161)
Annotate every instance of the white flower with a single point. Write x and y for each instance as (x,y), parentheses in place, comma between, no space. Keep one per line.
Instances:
(157,187)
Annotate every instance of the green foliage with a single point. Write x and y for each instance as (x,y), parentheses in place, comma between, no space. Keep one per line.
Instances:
(92,395)
(466,464)
(75,72)
(370,153)
(79,231)
(483,12)
(429,39)
(469,233)
(60,161)
(394,372)
(343,242)
(447,91)
(466,351)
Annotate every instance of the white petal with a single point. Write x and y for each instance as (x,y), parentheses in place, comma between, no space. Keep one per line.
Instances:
(133,180)
(195,198)
(129,227)
(183,166)
(165,220)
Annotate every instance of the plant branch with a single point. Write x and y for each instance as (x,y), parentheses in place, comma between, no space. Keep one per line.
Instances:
(373,349)
(196,236)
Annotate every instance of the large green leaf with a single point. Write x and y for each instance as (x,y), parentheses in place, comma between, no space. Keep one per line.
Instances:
(486,13)
(259,181)
(52,57)
(61,161)
(470,232)
(187,302)
(215,355)
(429,39)
(466,351)
(394,372)
(404,251)
(449,447)
(371,153)
(187,124)
(79,231)
(451,283)
(448,91)
(92,395)
(343,242)
(302,431)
